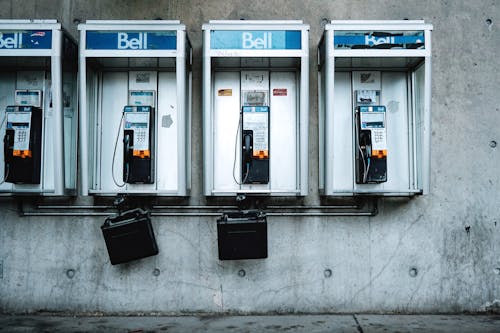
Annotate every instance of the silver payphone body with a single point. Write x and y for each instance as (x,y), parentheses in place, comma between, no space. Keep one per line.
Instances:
(371,143)
(255,144)
(22,144)
(138,165)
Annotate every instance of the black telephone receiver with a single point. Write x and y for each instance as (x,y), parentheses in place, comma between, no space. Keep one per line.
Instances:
(8,145)
(8,141)
(247,146)
(127,155)
(365,142)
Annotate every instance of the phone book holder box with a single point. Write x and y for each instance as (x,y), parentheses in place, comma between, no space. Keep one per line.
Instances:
(129,236)
(242,235)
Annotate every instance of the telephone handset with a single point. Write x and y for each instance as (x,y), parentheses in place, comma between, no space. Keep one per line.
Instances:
(8,147)
(247,146)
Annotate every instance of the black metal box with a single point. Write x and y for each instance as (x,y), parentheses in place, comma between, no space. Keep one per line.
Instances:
(242,235)
(129,236)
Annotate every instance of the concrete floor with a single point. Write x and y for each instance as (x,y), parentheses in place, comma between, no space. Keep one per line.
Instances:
(280,323)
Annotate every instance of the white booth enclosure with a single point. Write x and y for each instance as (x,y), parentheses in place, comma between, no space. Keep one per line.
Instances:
(38,108)
(263,67)
(127,67)
(386,64)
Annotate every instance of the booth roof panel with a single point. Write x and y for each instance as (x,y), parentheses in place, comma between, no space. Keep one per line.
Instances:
(133,22)
(132,25)
(50,21)
(362,25)
(29,24)
(255,25)
(256,21)
(377,21)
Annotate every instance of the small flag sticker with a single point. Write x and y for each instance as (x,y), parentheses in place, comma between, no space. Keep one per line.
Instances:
(38,34)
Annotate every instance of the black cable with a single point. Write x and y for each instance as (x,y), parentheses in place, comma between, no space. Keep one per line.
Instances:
(3,121)
(114,154)
(7,165)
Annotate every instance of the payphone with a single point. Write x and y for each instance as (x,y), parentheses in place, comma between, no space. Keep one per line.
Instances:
(22,144)
(138,166)
(255,145)
(371,159)
(138,138)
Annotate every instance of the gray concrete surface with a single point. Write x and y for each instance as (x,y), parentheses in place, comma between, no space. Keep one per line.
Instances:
(253,324)
(450,237)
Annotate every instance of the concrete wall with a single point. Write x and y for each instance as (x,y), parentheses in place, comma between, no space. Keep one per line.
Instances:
(451,237)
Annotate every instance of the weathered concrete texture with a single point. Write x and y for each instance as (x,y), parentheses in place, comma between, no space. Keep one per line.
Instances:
(438,253)
(253,324)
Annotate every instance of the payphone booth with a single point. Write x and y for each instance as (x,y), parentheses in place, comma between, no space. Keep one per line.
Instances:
(255,107)
(38,108)
(375,108)
(135,102)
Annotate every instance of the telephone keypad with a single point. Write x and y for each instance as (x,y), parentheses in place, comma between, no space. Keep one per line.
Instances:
(140,136)
(378,136)
(21,136)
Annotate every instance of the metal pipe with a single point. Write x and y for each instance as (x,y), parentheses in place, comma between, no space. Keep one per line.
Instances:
(82,214)
(316,213)
(63,214)
(74,207)
(195,207)
(315,207)
(324,214)
(184,214)
(201,207)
